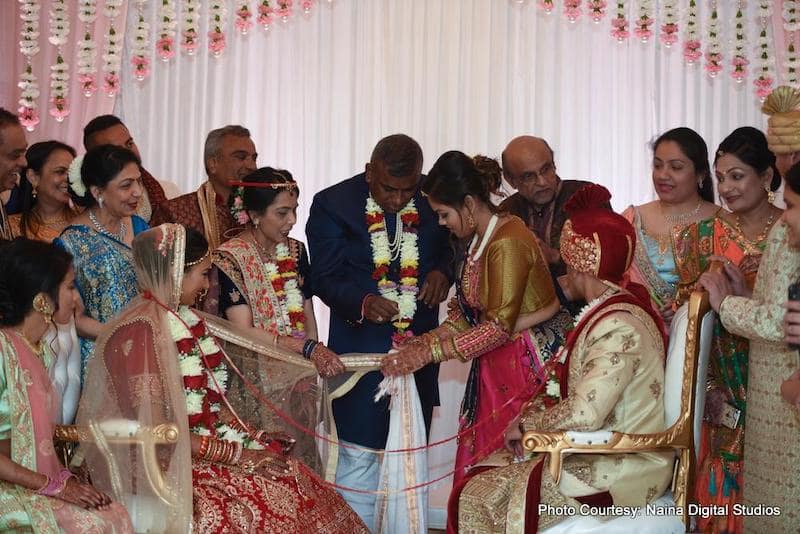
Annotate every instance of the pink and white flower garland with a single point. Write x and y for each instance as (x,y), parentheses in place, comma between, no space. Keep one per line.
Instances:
(165,46)
(644,20)
(713,54)
(29,47)
(217,16)
(791,23)
(691,33)
(739,59)
(572,10)
(619,24)
(243,16)
(764,79)
(284,10)
(112,57)
(669,23)
(59,71)
(406,297)
(597,10)
(140,44)
(190,27)
(266,14)
(87,48)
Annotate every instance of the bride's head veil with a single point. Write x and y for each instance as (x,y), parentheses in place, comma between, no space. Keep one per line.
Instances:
(134,376)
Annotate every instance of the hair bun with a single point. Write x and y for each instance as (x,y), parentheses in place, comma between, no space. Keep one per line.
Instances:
(491,171)
(591,196)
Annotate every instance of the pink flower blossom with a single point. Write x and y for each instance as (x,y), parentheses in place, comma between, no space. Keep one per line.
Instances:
(284,10)
(597,10)
(764,86)
(572,10)
(88,84)
(28,117)
(265,15)
(165,47)
(243,22)
(189,43)
(691,50)
(307,5)
(141,67)
(713,64)
(216,42)
(546,5)
(669,34)
(642,30)
(59,108)
(620,28)
(111,85)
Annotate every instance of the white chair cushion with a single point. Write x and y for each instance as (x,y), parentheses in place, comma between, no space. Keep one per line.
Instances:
(658,517)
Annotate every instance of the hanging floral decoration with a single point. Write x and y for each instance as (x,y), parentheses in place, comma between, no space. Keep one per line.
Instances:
(597,10)
(791,23)
(191,22)
(284,280)
(140,44)
(266,14)
(644,20)
(87,48)
(29,46)
(284,10)
(713,54)
(306,5)
(217,15)
(59,71)
(112,56)
(572,10)
(764,79)
(167,23)
(691,36)
(739,59)
(669,23)
(619,24)
(243,16)
(545,5)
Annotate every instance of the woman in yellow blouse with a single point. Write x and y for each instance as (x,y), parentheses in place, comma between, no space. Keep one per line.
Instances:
(505,317)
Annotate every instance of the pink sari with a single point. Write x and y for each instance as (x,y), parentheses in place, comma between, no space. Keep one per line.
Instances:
(34,408)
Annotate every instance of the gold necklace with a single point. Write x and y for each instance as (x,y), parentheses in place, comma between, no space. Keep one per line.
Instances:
(265,255)
(31,345)
(764,233)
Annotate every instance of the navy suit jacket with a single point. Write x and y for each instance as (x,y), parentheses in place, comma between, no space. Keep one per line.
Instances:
(341,275)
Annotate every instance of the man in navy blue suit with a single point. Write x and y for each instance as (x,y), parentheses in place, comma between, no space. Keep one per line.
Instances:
(342,266)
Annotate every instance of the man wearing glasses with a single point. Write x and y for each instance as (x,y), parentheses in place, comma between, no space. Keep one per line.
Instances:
(529,166)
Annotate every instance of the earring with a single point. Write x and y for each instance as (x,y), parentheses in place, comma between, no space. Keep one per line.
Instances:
(700,183)
(255,222)
(471,221)
(100,202)
(43,306)
(33,191)
(201,296)
(770,194)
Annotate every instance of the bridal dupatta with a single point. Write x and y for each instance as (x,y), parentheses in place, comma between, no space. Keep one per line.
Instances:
(135,375)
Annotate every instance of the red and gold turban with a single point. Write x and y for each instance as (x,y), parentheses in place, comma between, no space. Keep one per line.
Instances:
(596,240)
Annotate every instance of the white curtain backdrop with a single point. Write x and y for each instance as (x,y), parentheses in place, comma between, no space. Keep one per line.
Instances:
(454,74)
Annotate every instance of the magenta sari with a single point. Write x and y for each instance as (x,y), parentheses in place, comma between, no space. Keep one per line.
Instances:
(32,409)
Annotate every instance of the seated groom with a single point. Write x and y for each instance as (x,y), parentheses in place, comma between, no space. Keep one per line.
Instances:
(229,155)
(610,378)
(382,264)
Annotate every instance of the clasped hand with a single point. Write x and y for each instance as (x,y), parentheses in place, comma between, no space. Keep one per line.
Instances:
(412,356)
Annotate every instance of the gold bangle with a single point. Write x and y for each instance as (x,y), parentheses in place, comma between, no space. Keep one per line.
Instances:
(435,346)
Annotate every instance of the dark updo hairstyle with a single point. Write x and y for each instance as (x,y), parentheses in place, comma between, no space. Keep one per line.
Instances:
(100,166)
(456,175)
(37,156)
(27,268)
(749,145)
(196,247)
(258,199)
(693,147)
(793,178)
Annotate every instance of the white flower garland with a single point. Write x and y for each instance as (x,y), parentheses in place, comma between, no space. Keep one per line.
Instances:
(619,24)
(140,44)
(406,297)
(739,59)
(112,49)
(791,23)
(74,177)
(691,35)
(167,23)
(190,27)
(217,17)
(87,48)
(59,71)
(713,53)
(764,79)
(29,47)
(669,26)
(644,20)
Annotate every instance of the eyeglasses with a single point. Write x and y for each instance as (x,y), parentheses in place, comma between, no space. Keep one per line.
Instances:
(544,172)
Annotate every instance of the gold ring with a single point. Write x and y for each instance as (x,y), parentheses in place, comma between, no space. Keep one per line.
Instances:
(379,319)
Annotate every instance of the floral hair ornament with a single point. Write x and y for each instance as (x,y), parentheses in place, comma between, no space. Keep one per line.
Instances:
(595,240)
(237,208)
(74,175)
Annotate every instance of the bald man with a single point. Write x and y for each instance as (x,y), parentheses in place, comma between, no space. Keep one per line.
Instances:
(12,160)
(529,166)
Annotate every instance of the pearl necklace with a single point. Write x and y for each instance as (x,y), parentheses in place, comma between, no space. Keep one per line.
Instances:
(681,217)
(394,244)
(123,230)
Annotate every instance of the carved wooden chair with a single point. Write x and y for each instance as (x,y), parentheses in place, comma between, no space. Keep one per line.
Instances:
(146,513)
(691,334)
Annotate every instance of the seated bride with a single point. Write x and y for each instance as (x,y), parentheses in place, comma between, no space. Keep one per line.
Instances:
(609,376)
(159,363)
